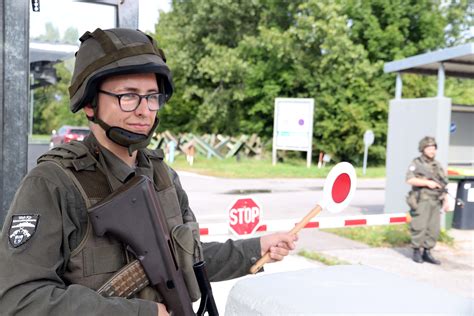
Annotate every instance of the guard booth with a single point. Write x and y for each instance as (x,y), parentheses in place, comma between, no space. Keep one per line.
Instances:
(411,119)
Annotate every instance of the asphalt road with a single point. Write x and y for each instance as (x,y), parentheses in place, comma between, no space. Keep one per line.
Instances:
(211,198)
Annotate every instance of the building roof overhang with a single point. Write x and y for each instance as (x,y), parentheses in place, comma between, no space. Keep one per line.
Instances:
(458,62)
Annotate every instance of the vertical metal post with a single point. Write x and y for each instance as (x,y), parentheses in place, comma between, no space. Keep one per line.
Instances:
(127,11)
(14,88)
(32,104)
(398,86)
(366,153)
(127,14)
(308,158)
(441,77)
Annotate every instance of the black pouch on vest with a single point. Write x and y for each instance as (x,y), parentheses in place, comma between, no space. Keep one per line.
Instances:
(186,242)
(412,199)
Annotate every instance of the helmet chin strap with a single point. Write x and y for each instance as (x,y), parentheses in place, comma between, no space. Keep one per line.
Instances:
(132,141)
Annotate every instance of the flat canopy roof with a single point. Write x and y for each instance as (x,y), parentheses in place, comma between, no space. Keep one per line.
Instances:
(458,61)
(51,52)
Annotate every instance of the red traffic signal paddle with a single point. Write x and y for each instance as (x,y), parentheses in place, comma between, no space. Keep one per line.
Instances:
(339,188)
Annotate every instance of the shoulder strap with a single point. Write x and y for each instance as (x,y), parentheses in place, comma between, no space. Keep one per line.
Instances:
(79,164)
(161,175)
(82,168)
(73,155)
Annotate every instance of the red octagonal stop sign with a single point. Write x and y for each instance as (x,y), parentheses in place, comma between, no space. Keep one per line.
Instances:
(245,216)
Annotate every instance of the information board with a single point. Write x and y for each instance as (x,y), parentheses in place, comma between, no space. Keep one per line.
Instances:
(293,125)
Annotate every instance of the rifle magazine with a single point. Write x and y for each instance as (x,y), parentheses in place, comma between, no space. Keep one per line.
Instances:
(128,281)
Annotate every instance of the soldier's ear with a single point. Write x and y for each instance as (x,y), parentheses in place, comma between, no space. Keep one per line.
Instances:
(89,111)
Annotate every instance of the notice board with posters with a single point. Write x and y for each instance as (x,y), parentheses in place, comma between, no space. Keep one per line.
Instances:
(293,126)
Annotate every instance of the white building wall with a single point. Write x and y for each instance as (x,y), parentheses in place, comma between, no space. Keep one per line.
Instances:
(461,142)
(409,121)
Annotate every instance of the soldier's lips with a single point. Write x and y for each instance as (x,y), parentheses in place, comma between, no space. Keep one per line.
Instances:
(139,128)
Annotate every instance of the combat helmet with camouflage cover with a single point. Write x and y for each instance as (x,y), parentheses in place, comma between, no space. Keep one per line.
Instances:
(118,51)
(425,142)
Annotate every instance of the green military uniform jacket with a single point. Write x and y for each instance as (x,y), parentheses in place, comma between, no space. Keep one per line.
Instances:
(419,168)
(50,219)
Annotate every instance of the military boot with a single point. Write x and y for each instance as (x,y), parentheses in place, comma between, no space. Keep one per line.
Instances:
(417,255)
(428,257)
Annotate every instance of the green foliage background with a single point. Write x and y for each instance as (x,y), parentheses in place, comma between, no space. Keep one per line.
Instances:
(51,103)
(231,59)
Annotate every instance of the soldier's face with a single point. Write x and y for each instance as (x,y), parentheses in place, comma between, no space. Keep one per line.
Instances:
(139,121)
(430,151)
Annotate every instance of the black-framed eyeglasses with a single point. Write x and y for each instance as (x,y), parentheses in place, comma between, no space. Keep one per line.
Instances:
(130,101)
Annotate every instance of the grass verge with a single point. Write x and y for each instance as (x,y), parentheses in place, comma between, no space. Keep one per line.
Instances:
(324,259)
(40,138)
(383,236)
(254,168)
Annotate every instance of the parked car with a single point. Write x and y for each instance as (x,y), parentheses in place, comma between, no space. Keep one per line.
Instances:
(67,133)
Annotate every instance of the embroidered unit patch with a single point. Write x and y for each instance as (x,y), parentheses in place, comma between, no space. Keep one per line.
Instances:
(22,228)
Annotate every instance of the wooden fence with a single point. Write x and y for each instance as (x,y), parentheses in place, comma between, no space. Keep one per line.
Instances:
(211,145)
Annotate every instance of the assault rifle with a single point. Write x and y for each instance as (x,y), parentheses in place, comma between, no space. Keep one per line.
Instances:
(422,171)
(133,215)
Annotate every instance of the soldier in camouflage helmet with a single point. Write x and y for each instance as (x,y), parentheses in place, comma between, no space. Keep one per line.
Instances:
(426,198)
(425,142)
(51,261)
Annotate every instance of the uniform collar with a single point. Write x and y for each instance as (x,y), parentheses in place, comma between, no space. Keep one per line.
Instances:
(115,166)
(426,159)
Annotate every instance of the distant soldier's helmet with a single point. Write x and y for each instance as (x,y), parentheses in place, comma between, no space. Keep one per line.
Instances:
(425,142)
(118,51)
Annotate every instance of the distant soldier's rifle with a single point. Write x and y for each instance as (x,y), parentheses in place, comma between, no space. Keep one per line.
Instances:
(133,215)
(422,171)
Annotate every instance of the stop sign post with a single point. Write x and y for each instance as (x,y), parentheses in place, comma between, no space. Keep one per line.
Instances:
(245,215)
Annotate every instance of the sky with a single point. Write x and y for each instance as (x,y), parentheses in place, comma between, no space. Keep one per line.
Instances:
(88,16)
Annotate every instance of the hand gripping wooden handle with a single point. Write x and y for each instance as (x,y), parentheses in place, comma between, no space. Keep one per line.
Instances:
(266,257)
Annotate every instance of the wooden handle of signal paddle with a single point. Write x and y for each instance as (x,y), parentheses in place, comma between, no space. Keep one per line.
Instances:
(266,257)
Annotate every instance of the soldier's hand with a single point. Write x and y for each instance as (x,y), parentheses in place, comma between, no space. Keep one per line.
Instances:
(162,311)
(446,205)
(433,185)
(278,245)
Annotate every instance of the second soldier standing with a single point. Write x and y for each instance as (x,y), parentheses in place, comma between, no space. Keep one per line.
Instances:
(426,199)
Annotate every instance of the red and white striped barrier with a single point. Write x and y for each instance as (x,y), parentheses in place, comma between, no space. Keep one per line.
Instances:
(321,222)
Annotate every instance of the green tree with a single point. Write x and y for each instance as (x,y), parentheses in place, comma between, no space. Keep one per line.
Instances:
(395,29)
(231,59)
(51,34)
(71,36)
(51,105)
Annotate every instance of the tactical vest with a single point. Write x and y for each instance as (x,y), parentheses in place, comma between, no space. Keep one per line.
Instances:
(96,259)
(424,193)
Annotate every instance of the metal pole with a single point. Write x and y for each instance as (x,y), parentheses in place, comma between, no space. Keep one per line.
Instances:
(32,104)
(441,77)
(14,91)
(398,86)
(274,156)
(127,11)
(128,14)
(366,153)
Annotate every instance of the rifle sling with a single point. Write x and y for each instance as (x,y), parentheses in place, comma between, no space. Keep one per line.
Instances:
(430,175)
